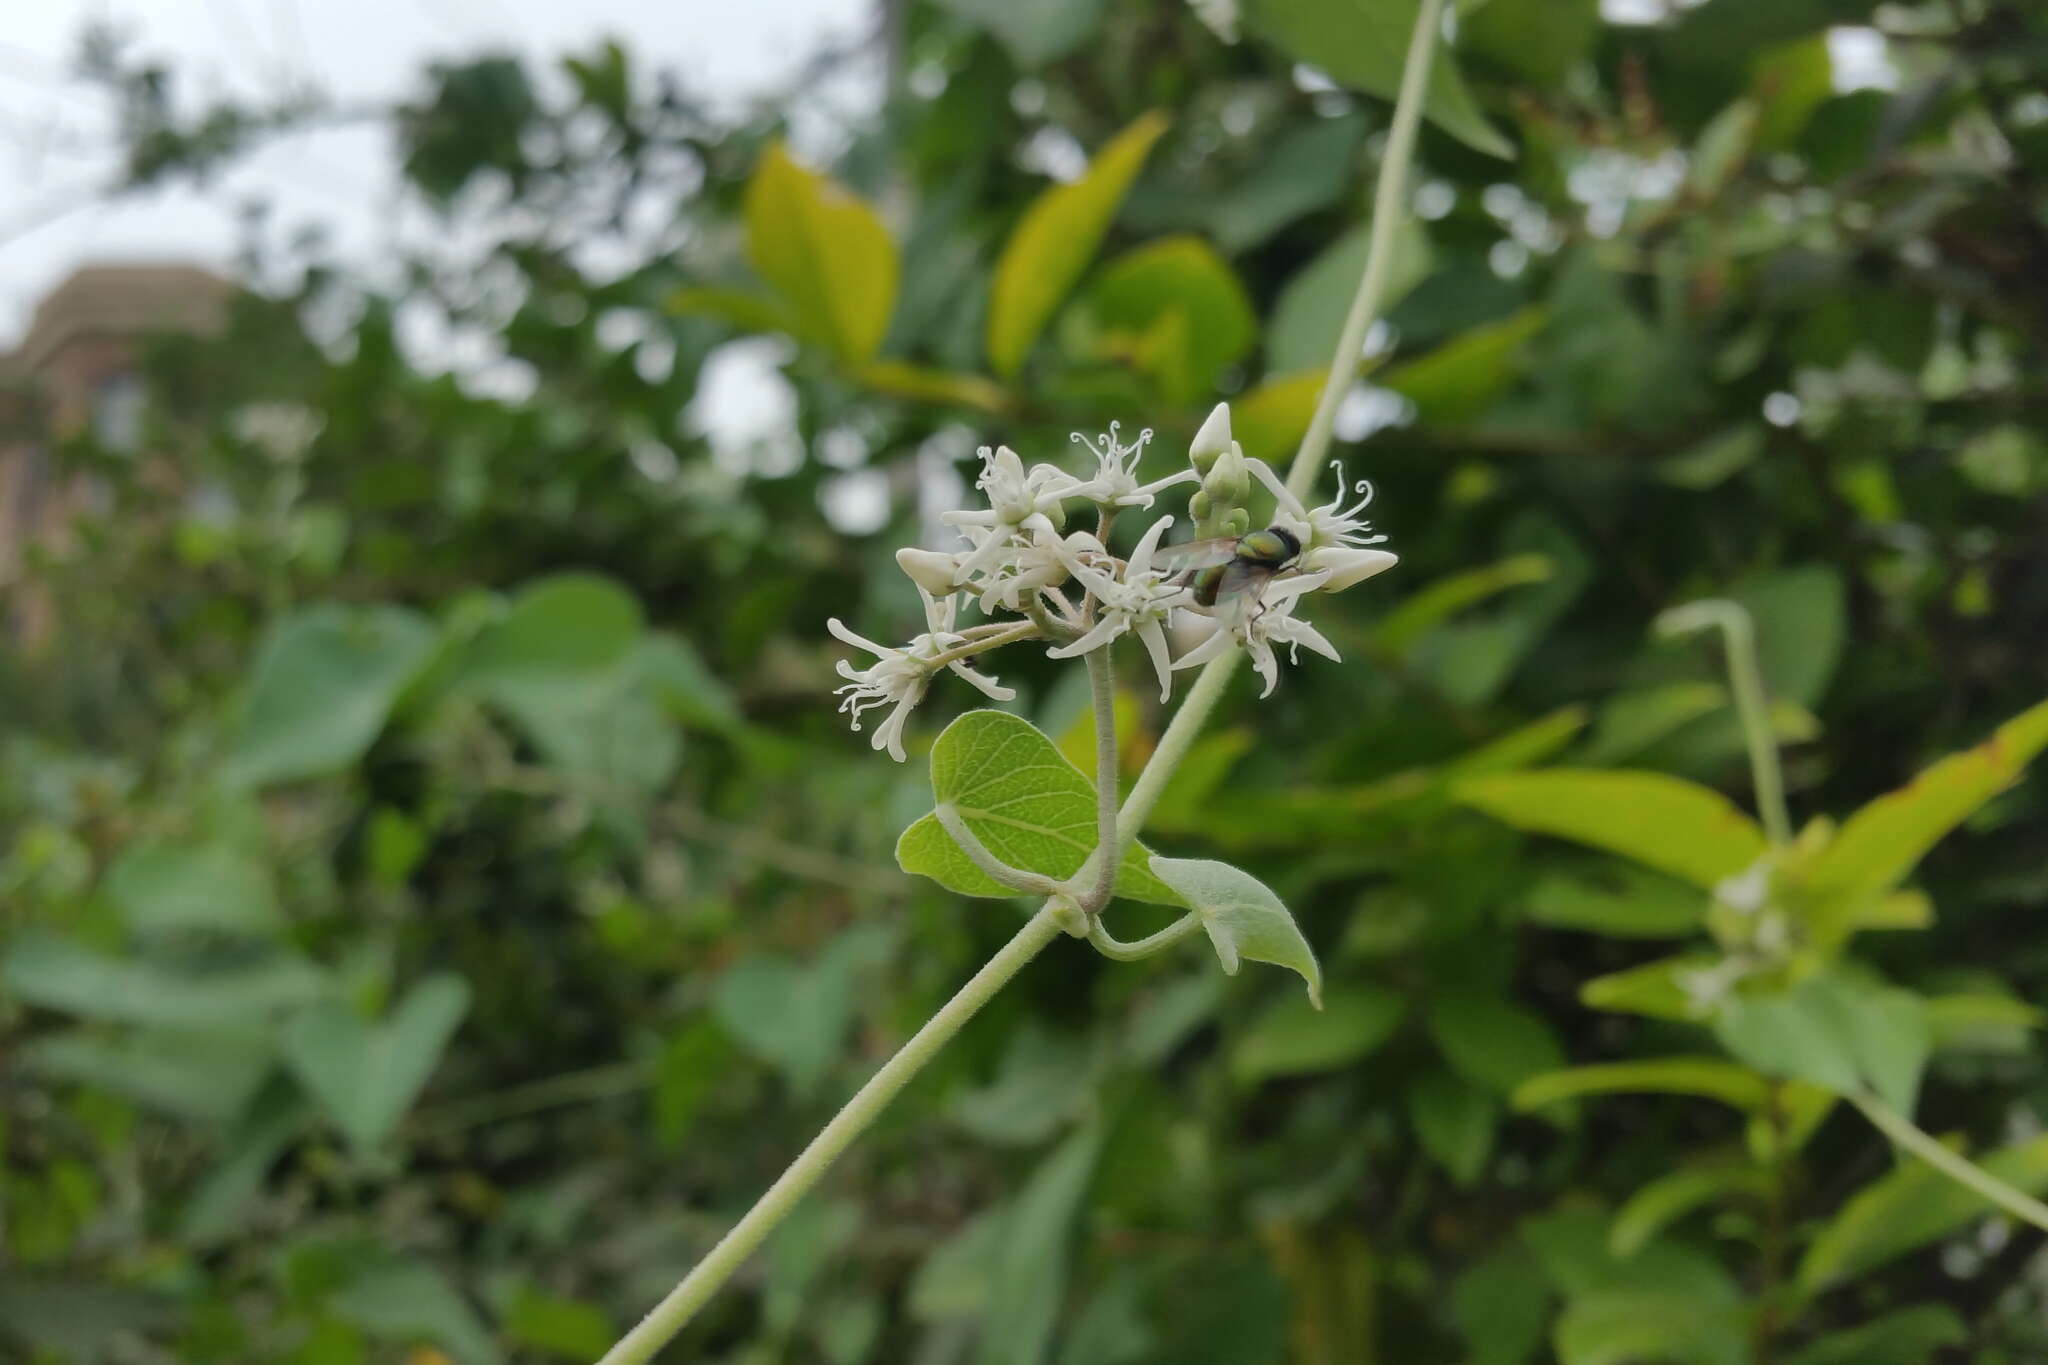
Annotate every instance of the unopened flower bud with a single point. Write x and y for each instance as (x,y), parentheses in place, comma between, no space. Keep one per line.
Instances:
(929,569)
(1347,566)
(1213,439)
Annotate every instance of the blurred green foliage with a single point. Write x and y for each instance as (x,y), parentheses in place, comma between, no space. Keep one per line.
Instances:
(439,895)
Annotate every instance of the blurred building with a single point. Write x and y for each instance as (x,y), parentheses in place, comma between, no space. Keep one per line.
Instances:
(77,372)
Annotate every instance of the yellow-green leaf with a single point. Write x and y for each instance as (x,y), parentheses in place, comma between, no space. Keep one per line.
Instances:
(1056,239)
(825,252)
(1709,1077)
(900,380)
(1271,419)
(1173,278)
(1460,379)
(1663,822)
(1880,843)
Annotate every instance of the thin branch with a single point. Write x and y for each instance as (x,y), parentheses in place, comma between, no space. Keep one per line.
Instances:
(1024,883)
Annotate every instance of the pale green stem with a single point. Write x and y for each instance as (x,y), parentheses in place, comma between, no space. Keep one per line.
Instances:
(1903,1131)
(1746,681)
(1108,852)
(1023,631)
(660,1326)
(1016,878)
(1386,216)
(1109,945)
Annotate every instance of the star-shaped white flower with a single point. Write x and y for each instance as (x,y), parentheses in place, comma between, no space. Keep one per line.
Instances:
(1116,471)
(898,677)
(1268,623)
(1330,526)
(1135,602)
(1019,505)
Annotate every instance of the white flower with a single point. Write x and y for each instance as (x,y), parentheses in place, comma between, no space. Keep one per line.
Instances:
(1271,621)
(899,677)
(1345,566)
(1007,572)
(1136,602)
(1116,471)
(1019,504)
(1326,526)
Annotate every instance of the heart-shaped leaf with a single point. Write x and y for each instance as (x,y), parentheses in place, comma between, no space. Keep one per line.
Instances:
(1839,1032)
(367,1075)
(1244,918)
(1027,805)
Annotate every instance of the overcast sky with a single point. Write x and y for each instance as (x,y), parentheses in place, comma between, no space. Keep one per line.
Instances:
(53,132)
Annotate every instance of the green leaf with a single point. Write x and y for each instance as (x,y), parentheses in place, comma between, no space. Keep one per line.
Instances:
(1710,1077)
(1631,722)
(1657,990)
(1244,919)
(207,1075)
(1270,420)
(1490,1039)
(947,387)
(321,689)
(1054,242)
(678,678)
(61,975)
(1501,1305)
(1619,900)
(825,252)
(1035,33)
(572,1329)
(1455,1121)
(1309,314)
(795,1017)
(1028,806)
(1909,1336)
(1836,1031)
(163,887)
(1031,1262)
(1294,1038)
(1459,380)
(366,1076)
(1983,1022)
(1627,1328)
(272,1125)
(409,1301)
(1879,844)
(1176,310)
(563,644)
(1662,822)
(1424,610)
(1363,43)
(1665,1200)
(1909,1208)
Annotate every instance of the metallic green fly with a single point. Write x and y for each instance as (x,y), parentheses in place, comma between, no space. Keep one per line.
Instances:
(1229,567)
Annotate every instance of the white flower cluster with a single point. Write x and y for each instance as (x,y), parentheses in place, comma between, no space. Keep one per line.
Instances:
(1037,580)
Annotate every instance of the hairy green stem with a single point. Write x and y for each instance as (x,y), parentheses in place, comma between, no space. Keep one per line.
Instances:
(1386,216)
(1746,681)
(1960,1169)
(1109,945)
(668,1317)
(1108,855)
(1016,878)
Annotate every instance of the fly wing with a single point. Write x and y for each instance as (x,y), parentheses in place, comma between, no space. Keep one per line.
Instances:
(1245,580)
(1196,554)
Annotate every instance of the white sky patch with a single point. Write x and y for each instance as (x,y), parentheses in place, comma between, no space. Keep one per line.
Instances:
(745,409)
(1862,60)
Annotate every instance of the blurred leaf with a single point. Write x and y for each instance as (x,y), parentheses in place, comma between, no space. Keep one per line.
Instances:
(686,1073)
(1662,822)
(1723,146)
(60,975)
(825,252)
(1031,1261)
(1908,1336)
(1363,45)
(274,1122)
(1454,1121)
(1909,1208)
(1540,41)
(1111,1328)
(1631,722)
(162,886)
(1628,1327)
(1836,1031)
(1665,1200)
(1983,1023)
(1790,81)
(1880,843)
(76,1318)
(1305,169)
(1501,1305)
(1270,419)
(1659,990)
(409,1302)
(1044,1082)
(685,686)
(1801,621)
(1172,278)
(320,690)
(1619,900)
(573,1329)
(1027,805)
(366,1076)
(1035,34)
(748,311)
(1709,1077)
(791,1016)
(914,382)
(562,645)
(205,1074)
(1244,919)
(1714,460)
(1302,333)
(1490,1039)
(955,1280)
(1294,1038)
(1054,241)
(1423,610)
(1459,380)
